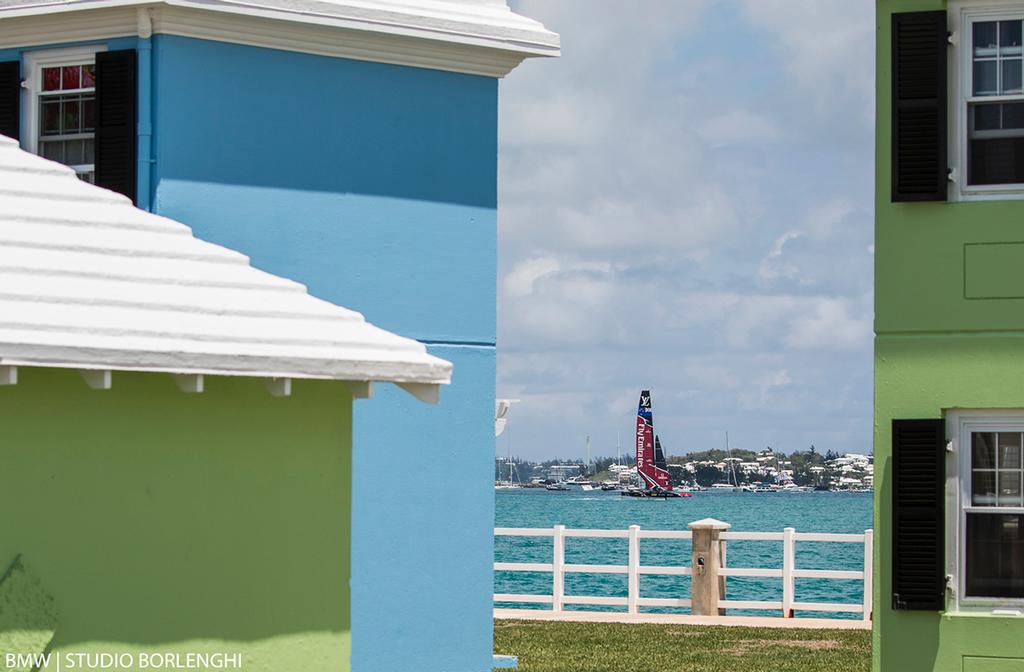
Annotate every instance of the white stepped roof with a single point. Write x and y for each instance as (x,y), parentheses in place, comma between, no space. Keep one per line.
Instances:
(89,281)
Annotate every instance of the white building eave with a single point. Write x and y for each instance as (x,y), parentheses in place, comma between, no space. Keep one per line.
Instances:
(480,37)
(88,281)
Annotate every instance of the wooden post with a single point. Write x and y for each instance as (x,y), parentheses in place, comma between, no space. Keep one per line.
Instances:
(788,565)
(558,569)
(868,568)
(707,586)
(633,571)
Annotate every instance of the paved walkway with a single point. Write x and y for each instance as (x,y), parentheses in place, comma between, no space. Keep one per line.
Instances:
(685,619)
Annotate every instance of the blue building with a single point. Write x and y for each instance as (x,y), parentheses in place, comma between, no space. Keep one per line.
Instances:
(350,145)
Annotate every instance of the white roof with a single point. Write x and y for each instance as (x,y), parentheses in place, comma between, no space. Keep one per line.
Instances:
(476,36)
(89,281)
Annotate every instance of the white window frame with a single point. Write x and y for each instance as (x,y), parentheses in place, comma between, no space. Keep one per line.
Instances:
(962,15)
(35,61)
(960,423)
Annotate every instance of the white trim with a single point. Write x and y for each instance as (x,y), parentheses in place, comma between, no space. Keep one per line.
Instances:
(34,31)
(962,14)
(279,387)
(480,49)
(97,379)
(425,392)
(189,383)
(960,423)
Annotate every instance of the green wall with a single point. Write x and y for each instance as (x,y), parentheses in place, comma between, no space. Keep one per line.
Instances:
(949,333)
(919,377)
(169,522)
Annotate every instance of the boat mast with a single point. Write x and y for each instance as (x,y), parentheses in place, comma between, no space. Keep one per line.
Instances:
(508,442)
(588,456)
(732,467)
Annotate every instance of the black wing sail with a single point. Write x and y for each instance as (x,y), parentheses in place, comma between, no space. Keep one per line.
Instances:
(659,455)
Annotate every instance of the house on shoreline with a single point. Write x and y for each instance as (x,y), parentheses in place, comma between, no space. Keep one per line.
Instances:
(949,336)
(350,145)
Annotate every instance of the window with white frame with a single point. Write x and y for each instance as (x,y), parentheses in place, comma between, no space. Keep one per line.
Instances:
(990,517)
(995,103)
(61,108)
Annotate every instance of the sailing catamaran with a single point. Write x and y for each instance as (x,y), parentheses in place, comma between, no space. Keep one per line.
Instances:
(650,458)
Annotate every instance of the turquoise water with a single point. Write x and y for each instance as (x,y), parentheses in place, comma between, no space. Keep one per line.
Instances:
(747,512)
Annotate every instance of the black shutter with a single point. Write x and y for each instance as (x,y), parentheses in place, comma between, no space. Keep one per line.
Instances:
(920,164)
(10,99)
(918,514)
(116,111)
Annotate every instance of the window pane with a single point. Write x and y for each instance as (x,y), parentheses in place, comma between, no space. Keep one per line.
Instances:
(1009,450)
(995,555)
(72,118)
(1013,115)
(88,76)
(986,81)
(983,450)
(983,488)
(985,39)
(1011,76)
(71,76)
(54,151)
(987,117)
(50,117)
(74,153)
(51,79)
(89,152)
(996,161)
(1009,488)
(88,114)
(1009,38)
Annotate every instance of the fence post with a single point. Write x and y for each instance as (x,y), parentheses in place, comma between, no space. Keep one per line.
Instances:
(558,569)
(788,565)
(706,586)
(633,571)
(868,568)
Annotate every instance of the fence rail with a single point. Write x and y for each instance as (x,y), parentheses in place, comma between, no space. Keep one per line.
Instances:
(633,570)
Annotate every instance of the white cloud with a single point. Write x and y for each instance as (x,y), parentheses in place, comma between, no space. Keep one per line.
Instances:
(519,282)
(689,212)
(830,326)
(824,221)
(738,126)
(829,49)
(773,267)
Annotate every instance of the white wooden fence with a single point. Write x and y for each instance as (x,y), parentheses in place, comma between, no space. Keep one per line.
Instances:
(634,570)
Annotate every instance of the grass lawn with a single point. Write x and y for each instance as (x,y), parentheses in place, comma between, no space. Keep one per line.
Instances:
(614,647)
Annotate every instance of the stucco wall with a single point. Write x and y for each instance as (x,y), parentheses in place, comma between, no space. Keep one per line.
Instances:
(376,186)
(938,345)
(373,184)
(167,522)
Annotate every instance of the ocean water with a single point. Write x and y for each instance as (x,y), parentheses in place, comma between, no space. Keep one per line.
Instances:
(747,512)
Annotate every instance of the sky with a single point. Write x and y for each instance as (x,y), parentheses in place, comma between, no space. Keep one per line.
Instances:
(685,205)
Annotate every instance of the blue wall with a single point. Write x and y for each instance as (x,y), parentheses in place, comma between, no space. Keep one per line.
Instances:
(376,186)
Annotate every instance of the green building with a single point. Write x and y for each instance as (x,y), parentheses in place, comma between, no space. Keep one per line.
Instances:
(949,344)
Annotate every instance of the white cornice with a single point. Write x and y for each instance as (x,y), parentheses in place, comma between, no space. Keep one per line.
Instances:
(100,24)
(450,42)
